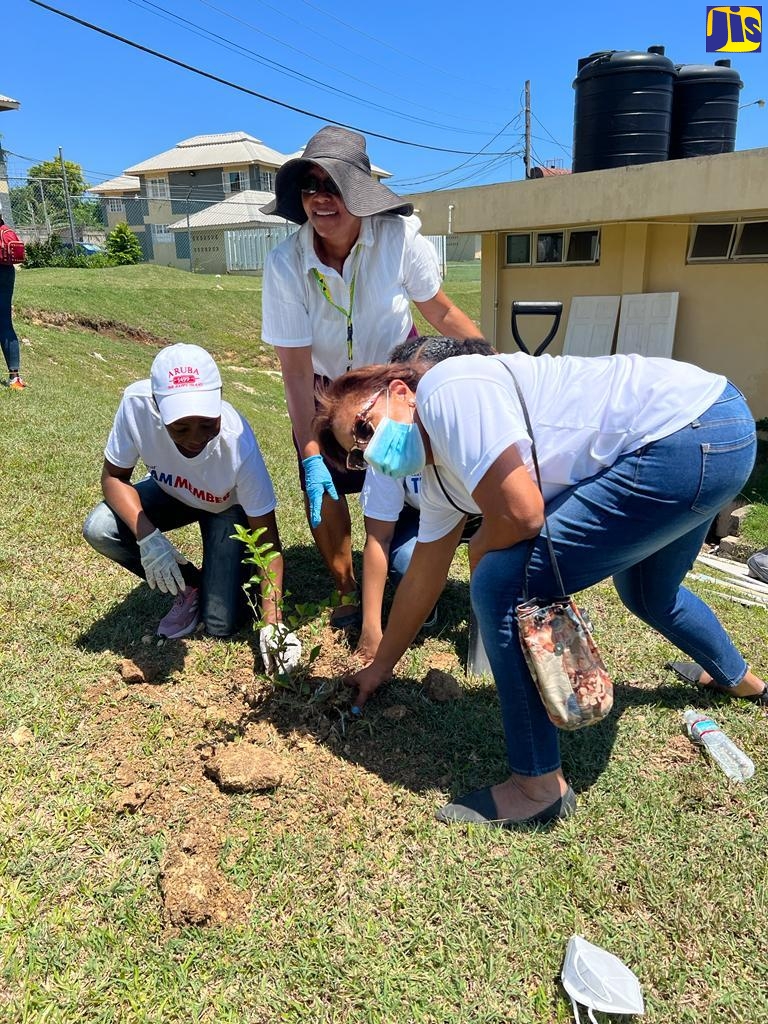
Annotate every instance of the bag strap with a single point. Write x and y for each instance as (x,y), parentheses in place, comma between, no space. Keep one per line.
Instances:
(534,457)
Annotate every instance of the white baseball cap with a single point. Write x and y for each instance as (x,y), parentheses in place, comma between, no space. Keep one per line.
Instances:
(186,382)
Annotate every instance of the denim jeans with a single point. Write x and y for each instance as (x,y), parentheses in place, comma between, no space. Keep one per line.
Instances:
(641,521)
(223,604)
(9,342)
(403,542)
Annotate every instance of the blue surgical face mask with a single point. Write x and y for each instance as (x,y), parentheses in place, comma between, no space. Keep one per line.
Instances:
(396,449)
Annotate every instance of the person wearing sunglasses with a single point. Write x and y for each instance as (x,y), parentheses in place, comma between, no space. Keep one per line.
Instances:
(337,295)
(391,505)
(636,456)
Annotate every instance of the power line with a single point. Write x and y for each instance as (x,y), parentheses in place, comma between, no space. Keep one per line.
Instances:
(282,69)
(316,60)
(551,136)
(241,88)
(452,170)
(326,13)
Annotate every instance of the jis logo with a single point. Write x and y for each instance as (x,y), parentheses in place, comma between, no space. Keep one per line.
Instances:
(734,29)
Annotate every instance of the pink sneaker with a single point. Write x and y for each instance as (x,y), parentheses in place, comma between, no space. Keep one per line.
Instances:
(184,616)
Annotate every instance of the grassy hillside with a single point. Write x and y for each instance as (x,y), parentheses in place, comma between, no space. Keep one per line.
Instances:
(133,889)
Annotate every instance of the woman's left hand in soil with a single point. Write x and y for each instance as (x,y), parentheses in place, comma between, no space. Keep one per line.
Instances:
(367,681)
(280,649)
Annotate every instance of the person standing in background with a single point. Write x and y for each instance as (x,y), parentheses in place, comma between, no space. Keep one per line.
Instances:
(9,341)
(337,295)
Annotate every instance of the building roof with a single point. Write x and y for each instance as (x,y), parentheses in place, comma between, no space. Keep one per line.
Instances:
(6,103)
(223,150)
(238,210)
(122,183)
(698,187)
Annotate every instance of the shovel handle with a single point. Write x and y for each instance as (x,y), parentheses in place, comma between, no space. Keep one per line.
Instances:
(553,309)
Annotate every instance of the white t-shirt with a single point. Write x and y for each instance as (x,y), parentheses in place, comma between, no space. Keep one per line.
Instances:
(383,497)
(585,413)
(392,264)
(229,471)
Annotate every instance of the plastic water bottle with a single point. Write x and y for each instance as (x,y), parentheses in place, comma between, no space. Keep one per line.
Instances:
(707,733)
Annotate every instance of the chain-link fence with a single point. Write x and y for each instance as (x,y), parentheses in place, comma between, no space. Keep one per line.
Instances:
(38,210)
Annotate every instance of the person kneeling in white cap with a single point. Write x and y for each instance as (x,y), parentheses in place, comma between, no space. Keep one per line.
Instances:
(205,466)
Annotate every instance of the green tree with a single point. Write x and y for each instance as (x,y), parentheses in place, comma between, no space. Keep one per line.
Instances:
(41,200)
(123,246)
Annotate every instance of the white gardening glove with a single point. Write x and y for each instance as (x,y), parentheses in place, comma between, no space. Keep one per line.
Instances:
(280,649)
(160,561)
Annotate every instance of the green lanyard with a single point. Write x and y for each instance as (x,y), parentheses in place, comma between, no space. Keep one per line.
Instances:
(326,293)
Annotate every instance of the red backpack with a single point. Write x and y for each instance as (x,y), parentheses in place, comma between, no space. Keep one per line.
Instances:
(11,246)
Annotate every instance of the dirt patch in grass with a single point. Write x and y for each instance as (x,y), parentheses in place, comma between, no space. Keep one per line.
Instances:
(180,745)
(112,328)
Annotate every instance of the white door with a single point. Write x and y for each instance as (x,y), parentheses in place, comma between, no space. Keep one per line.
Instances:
(647,324)
(591,324)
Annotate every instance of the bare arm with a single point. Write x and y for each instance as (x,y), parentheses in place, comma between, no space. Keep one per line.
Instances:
(271,587)
(416,596)
(123,498)
(446,318)
(511,503)
(298,381)
(378,538)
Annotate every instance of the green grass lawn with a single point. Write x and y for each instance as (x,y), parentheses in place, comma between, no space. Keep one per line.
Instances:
(334,898)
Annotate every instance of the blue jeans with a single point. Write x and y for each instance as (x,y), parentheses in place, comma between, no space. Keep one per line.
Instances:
(403,543)
(223,604)
(641,521)
(9,342)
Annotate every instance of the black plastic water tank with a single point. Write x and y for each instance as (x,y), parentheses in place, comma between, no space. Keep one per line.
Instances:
(705,108)
(623,108)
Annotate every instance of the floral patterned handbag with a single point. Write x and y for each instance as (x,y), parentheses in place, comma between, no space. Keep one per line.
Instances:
(557,642)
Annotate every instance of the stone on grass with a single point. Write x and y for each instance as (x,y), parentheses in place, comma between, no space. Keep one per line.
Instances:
(245,768)
(441,686)
(22,736)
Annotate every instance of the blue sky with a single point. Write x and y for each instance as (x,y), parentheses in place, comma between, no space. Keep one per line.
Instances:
(445,75)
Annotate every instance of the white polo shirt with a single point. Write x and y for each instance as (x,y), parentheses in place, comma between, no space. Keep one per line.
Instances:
(392,265)
(229,471)
(383,497)
(585,413)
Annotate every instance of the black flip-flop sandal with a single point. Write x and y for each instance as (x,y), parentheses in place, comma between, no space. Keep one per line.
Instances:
(691,672)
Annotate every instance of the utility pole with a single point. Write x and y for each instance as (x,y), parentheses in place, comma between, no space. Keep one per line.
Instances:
(68,201)
(528,128)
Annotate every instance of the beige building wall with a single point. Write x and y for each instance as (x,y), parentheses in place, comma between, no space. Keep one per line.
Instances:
(722,320)
(722,317)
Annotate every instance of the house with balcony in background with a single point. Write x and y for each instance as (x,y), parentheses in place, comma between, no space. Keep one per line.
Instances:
(194,175)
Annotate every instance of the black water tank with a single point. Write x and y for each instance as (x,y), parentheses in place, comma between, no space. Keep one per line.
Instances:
(623,111)
(705,107)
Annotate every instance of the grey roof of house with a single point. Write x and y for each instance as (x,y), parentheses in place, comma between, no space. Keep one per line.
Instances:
(6,103)
(122,183)
(238,210)
(223,150)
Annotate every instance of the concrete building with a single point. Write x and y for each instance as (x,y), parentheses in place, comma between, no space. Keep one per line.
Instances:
(695,227)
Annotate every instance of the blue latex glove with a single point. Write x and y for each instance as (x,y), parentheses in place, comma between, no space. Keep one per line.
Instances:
(318,481)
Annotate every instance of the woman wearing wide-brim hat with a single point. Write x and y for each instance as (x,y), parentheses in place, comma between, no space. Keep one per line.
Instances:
(337,295)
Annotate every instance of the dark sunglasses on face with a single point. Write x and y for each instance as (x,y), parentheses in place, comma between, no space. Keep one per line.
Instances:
(362,432)
(311,185)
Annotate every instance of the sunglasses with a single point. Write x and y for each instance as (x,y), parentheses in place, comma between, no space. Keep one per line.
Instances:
(311,185)
(362,432)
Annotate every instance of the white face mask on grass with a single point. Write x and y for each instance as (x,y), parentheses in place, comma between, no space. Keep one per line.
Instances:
(599,980)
